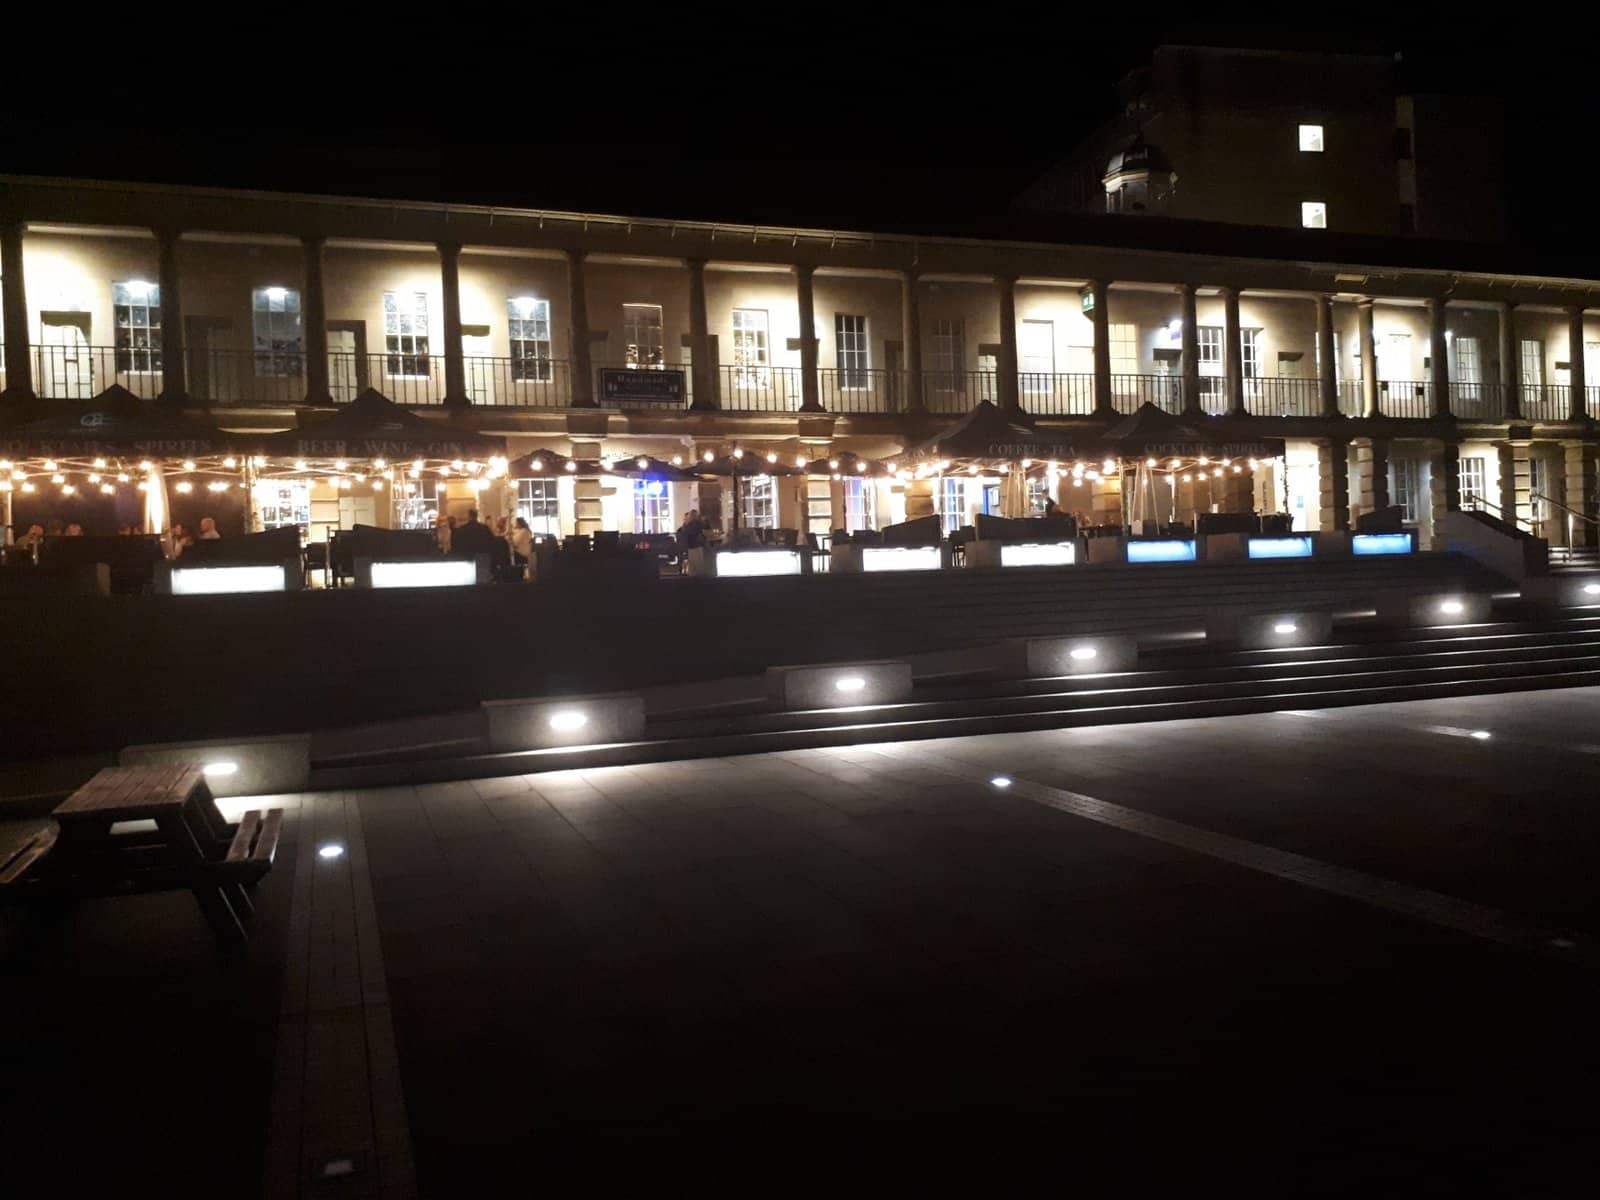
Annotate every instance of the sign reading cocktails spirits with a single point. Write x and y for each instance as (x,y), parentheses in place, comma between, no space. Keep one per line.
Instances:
(620,385)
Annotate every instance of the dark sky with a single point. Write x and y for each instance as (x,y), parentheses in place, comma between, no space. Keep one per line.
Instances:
(852,117)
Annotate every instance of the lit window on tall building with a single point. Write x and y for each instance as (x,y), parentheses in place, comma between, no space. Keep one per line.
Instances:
(1311,138)
(136,309)
(275,321)
(641,332)
(1314,214)
(528,331)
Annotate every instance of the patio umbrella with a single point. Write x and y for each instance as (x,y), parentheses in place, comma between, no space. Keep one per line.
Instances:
(987,433)
(1152,432)
(744,465)
(116,423)
(372,426)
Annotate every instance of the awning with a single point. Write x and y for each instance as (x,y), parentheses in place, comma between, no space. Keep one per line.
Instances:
(116,423)
(372,426)
(987,433)
(1154,433)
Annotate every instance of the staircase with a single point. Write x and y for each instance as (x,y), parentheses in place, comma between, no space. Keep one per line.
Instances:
(1574,558)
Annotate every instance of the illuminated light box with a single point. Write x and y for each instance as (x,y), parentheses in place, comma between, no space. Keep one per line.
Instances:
(239,767)
(1383,543)
(1434,608)
(839,685)
(990,553)
(422,572)
(1267,629)
(1279,547)
(901,558)
(547,722)
(1097,654)
(1562,591)
(221,581)
(730,564)
(1161,550)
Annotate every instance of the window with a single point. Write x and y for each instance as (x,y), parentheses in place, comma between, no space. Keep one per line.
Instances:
(136,310)
(952,496)
(1124,349)
(1537,509)
(1466,368)
(417,505)
(276,322)
(1311,139)
(947,358)
(1038,355)
(1394,357)
(1532,362)
(759,501)
(641,331)
(860,504)
(1314,214)
(1038,493)
(850,349)
(528,328)
(1474,482)
(750,347)
(652,506)
(1250,353)
(538,506)
(1208,340)
(1404,487)
(284,502)
(405,331)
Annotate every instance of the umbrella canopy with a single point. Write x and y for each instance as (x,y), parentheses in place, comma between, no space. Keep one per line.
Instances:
(116,423)
(988,433)
(546,464)
(372,426)
(846,463)
(1153,433)
(736,466)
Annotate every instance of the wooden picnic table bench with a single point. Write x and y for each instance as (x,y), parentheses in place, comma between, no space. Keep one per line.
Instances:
(193,846)
(22,844)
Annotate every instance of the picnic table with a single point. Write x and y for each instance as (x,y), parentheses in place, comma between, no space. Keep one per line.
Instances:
(192,846)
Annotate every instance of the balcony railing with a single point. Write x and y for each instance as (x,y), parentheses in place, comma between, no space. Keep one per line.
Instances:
(81,372)
(1591,395)
(1477,401)
(858,390)
(1546,401)
(1351,402)
(1128,392)
(1056,395)
(761,389)
(271,380)
(1404,398)
(955,392)
(1283,397)
(520,382)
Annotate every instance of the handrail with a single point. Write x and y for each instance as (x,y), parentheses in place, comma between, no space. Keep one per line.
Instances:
(1572,511)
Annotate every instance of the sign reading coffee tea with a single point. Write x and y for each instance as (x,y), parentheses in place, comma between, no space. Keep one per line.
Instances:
(620,385)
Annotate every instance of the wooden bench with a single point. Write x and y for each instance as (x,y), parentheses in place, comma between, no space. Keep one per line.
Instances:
(22,844)
(251,852)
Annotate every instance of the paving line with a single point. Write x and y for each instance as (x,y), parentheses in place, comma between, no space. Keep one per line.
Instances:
(1421,904)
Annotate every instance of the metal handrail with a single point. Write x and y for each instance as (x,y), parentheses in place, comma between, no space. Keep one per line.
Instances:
(1571,511)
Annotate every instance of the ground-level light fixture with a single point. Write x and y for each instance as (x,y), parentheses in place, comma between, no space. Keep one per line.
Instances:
(567,720)
(330,850)
(220,768)
(1285,627)
(1480,735)
(1451,608)
(1001,781)
(1591,589)
(850,683)
(1083,653)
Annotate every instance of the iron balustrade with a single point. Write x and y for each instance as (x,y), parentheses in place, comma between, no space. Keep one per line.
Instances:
(412,379)
(1591,396)
(955,392)
(1545,401)
(1056,395)
(1351,402)
(761,389)
(861,390)
(519,382)
(1213,395)
(1404,398)
(1128,392)
(1283,396)
(82,372)
(270,379)
(1477,401)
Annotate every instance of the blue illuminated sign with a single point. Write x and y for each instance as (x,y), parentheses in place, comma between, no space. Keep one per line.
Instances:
(1160,551)
(1280,547)
(1380,543)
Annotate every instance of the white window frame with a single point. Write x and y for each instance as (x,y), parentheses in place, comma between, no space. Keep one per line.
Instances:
(136,319)
(860,503)
(1124,339)
(758,502)
(405,336)
(1313,214)
(1038,347)
(1311,141)
(1038,493)
(643,345)
(539,504)
(275,324)
(1250,354)
(1467,367)
(419,509)
(952,496)
(281,502)
(852,351)
(652,506)
(528,338)
(1389,347)
(1474,480)
(1530,352)
(751,348)
(1405,487)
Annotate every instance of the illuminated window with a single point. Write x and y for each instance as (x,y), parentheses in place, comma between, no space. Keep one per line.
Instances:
(405,331)
(1311,138)
(1405,489)
(1250,353)
(759,502)
(528,328)
(136,310)
(1474,481)
(1466,369)
(1314,214)
(641,332)
(947,358)
(850,347)
(1038,493)
(1532,362)
(276,322)
(418,508)
(652,506)
(538,506)
(284,502)
(1124,349)
(1038,355)
(860,504)
(750,347)
(952,495)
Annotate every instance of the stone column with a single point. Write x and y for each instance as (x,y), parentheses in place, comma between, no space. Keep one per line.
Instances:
(911,331)
(1369,358)
(919,498)
(1190,334)
(1333,478)
(314,312)
(1444,486)
(1232,352)
(174,386)
(1439,355)
(1101,290)
(578,310)
(19,365)
(1510,362)
(1516,485)
(1579,400)
(805,301)
(1006,384)
(587,512)
(1327,360)
(1372,474)
(455,363)
(1582,461)
(702,364)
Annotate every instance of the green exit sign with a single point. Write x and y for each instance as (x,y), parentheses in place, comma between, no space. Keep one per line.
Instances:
(1088,299)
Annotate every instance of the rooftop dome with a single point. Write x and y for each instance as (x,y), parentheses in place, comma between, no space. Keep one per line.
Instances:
(1137,155)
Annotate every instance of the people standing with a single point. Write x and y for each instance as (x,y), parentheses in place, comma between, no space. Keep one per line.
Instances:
(441,533)
(208,530)
(522,543)
(472,538)
(692,533)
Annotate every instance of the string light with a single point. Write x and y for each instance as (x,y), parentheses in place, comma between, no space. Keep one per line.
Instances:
(833,464)
(572,466)
(100,464)
(738,453)
(94,477)
(379,463)
(709,457)
(341,465)
(230,462)
(143,486)
(185,486)
(772,456)
(67,489)
(641,462)
(57,478)
(800,461)
(677,460)
(188,464)
(49,464)
(27,487)
(147,465)
(377,485)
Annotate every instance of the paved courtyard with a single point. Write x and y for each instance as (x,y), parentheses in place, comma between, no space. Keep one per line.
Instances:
(1304,952)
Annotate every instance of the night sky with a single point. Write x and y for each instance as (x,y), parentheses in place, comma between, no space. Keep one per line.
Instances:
(851,124)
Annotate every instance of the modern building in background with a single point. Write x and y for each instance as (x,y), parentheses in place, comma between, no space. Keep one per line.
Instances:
(608,336)
(1290,140)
